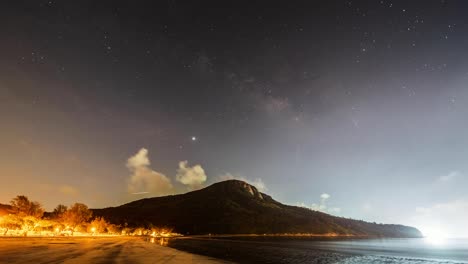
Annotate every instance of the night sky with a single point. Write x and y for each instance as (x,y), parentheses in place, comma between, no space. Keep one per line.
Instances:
(355,108)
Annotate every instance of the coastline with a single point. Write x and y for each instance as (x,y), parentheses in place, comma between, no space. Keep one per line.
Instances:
(324,250)
(294,235)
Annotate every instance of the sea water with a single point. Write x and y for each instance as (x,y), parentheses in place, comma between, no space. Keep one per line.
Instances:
(326,250)
(425,250)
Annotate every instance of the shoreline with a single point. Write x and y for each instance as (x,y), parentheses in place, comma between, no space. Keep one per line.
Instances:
(292,236)
(94,249)
(252,251)
(286,235)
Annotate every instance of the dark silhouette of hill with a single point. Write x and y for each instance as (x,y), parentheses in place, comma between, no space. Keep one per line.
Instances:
(235,207)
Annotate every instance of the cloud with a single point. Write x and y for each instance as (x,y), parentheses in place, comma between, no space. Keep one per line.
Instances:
(144,179)
(193,177)
(257,183)
(450,176)
(139,160)
(334,210)
(322,206)
(324,197)
(446,219)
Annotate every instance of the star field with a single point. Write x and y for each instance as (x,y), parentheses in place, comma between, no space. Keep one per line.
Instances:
(361,100)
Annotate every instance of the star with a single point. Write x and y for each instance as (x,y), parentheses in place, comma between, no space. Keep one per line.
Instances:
(194,138)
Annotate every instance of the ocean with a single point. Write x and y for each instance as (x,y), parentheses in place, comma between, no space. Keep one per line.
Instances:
(327,250)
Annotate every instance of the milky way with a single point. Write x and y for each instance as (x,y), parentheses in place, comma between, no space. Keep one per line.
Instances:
(365,101)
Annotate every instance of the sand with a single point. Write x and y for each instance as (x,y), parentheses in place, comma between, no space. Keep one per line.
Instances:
(93,250)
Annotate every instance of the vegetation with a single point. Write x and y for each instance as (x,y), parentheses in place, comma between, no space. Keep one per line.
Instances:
(77,215)
(235,207)
(23,217)
(22,206)
(59,211)
(230,207)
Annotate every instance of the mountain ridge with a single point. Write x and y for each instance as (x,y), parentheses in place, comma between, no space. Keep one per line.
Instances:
(236,207)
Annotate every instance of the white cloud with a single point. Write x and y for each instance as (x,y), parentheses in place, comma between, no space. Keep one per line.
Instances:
(449,177)
(139,160)
(322,206)
(257,183)
(334,210)
(318,207)
(447,219)
(144,179)
(193,177)
(324,196)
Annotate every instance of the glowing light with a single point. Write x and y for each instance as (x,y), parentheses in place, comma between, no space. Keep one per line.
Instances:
(436,240)
(163,242)
(93,229)
(140,192)
(435,237)
(194,138)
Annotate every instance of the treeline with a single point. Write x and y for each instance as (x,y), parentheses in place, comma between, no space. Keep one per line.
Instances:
(25,217)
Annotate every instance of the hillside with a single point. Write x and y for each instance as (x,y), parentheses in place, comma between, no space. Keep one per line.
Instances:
(235,207)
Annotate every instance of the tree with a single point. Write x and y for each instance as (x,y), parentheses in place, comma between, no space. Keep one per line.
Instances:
(99,224)
(45,224)
(10,221)
(22,206)
(29,212)
(114,229)
(29,223)
(76,215)
(59,211)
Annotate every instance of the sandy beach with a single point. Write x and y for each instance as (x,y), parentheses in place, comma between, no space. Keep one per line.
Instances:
(93,250)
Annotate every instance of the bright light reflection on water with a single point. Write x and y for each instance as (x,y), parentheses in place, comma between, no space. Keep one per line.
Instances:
(436,240)
(425,250)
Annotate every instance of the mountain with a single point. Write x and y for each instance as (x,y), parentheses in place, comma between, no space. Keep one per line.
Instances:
(235,207)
